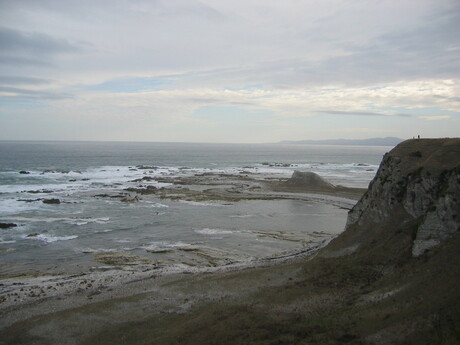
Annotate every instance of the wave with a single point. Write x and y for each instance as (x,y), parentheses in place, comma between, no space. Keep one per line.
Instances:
(207,231)
(242,216)
(50,239)
(198,203)
(14,206)
(72,221)
(7,241)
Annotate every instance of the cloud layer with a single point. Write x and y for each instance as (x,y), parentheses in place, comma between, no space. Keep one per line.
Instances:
(261,71)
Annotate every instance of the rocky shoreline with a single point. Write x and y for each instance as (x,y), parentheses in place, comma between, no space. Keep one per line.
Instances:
(34,289)
(365,286)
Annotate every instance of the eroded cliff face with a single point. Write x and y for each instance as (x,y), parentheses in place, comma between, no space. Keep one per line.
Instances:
(419,179)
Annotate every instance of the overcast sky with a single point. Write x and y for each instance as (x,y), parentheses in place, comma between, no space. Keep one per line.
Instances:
(228,70)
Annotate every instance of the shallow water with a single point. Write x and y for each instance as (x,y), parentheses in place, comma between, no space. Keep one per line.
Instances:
(66,237)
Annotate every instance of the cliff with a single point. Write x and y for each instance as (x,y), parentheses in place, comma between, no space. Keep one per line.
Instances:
(416,190)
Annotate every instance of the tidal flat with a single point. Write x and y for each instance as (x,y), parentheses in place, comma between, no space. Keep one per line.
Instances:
(123,285)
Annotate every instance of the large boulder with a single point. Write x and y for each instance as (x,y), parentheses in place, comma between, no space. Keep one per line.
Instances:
(309,180)
(52,201)
(7,225)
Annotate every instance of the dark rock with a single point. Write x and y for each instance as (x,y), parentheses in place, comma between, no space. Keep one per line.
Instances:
(7,225)
(416,154)
(33,235)
(147,190)
(130,198)
(24,172)
(146,167)
(110,196)
(52,201)
(309,180)
(38,191)
(145,178)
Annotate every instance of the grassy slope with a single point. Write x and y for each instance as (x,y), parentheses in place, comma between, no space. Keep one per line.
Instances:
(333,301)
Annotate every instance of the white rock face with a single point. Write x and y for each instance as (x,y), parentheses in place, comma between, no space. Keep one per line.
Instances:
(431,199)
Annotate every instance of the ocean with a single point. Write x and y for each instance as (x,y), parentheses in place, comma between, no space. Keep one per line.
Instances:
(85,231)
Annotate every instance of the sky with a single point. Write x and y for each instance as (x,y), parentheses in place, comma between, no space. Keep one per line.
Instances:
(230,71)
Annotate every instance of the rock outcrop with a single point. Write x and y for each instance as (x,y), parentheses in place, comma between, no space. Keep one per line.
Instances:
(51,201)
(416,186)
(7,225)
(309,180)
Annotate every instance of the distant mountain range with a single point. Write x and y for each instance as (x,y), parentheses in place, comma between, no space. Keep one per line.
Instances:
(388,141)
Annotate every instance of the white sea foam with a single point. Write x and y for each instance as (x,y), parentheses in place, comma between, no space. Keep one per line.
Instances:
(122,240)
(76,222)
(50,239)
(155,204)
(38,189)
(153,246)
(242,216)
(91,250)
(72,221)
(101,231)
(196,203)
(7,241)
(13,206)
(207,231)
(80,223)
(103,219)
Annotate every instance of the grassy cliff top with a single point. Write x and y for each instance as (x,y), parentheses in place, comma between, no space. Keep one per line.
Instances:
(434,155)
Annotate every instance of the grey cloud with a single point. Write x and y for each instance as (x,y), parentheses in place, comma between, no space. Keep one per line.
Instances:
(33,42)
(452,99)
(19,80)
(360,113)
(186,8)
(33,50)
(20,61)
(423,52)
(34,94)
(207,100)
(186,35)
(89,11)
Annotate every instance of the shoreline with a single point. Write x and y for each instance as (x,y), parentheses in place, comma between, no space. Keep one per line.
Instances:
(26,297)
(212,189)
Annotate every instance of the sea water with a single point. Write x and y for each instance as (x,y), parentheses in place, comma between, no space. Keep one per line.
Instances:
(65,237)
